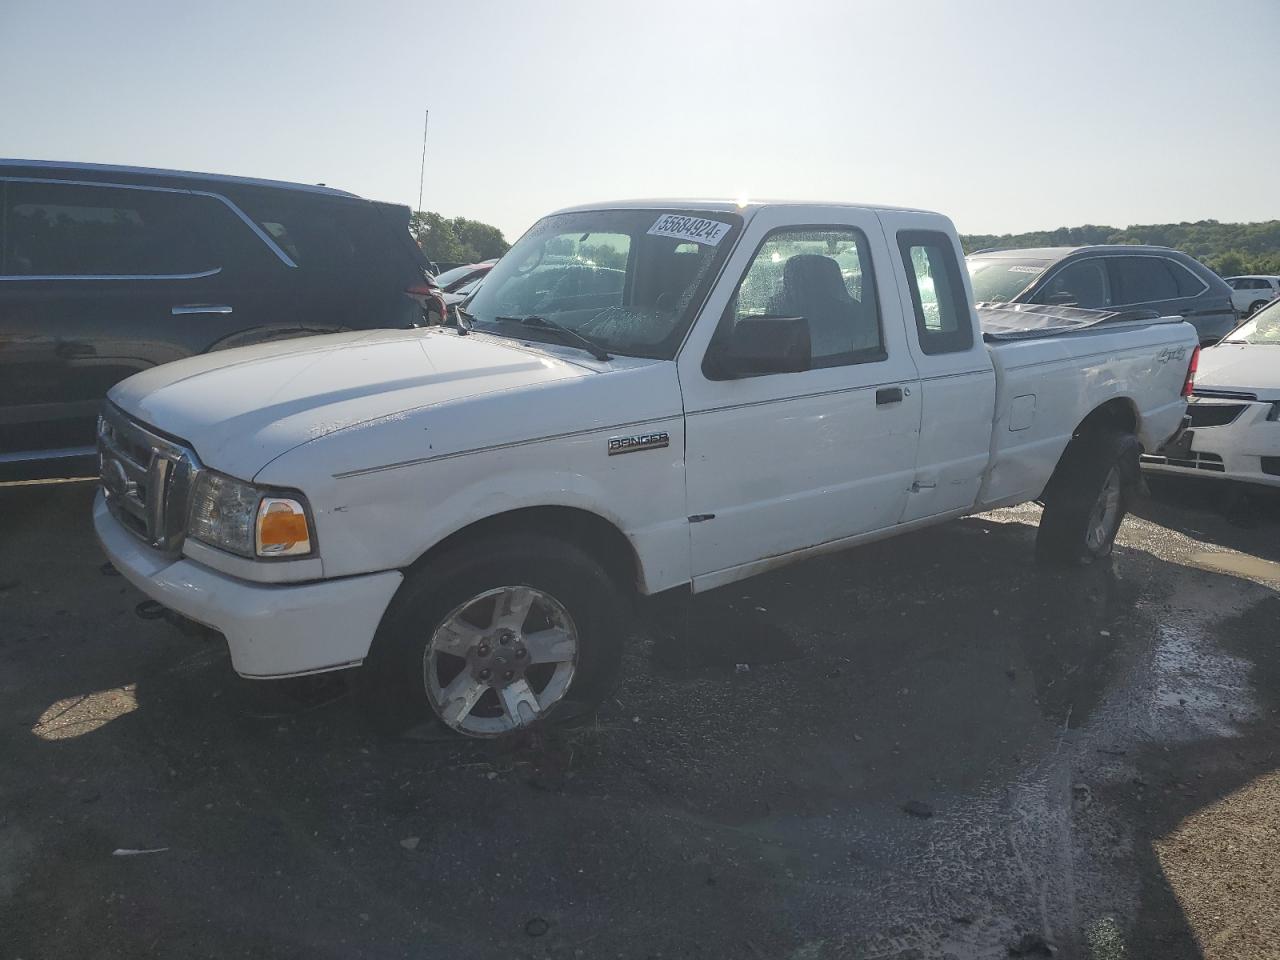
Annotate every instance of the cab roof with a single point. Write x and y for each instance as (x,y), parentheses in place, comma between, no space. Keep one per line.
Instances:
(744,208)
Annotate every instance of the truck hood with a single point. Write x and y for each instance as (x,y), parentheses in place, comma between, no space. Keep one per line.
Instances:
(240,409)
(1241,368)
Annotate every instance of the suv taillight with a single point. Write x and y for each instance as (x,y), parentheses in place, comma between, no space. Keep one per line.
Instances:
(1189,384)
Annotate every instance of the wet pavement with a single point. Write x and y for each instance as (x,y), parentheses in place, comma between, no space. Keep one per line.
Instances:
(927,747)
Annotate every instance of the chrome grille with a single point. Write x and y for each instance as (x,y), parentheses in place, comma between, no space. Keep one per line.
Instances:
(146,479)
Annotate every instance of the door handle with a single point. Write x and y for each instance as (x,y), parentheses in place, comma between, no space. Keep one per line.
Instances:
(187,309)
(888,395)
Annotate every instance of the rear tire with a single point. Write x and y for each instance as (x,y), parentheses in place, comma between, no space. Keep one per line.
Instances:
(1087,498)
(497,635)
(1255,307)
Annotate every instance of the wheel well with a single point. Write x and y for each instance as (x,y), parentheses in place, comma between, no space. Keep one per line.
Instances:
(589,531)
(1118,413)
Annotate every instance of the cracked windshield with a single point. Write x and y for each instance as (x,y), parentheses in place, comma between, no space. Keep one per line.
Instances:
(627,280)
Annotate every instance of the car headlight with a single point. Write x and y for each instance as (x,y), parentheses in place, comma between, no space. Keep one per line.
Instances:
(247,520)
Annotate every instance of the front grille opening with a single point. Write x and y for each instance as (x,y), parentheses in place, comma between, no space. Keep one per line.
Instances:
(1193,461)
(1214,414)
(147,478)
(132,523)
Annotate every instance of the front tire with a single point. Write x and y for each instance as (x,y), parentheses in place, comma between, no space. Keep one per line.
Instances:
(1087,498)
(497,635)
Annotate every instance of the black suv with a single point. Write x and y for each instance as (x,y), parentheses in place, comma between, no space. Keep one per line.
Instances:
(105,271)
(1105,276)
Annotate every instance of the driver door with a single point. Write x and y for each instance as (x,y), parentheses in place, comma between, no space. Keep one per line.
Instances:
(783,462)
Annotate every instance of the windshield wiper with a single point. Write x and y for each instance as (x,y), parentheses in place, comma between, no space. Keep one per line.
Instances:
(463,328)
(582,340)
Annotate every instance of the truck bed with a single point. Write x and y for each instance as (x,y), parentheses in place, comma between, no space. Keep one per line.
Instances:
(1032,321)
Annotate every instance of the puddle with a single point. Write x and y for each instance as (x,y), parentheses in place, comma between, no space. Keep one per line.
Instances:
(1200,691)
(1238,564)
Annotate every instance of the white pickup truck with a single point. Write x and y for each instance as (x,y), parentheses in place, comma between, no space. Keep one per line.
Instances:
(641,397)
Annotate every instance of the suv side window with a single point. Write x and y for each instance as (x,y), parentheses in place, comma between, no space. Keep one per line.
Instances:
(1079,284)
(943,319)
(1189,285)
(1141,280)
(821,273)
(72,230)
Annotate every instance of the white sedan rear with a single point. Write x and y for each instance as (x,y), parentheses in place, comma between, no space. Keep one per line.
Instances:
(1234,410)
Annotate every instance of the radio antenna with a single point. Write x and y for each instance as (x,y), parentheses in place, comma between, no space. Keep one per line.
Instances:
(422,173)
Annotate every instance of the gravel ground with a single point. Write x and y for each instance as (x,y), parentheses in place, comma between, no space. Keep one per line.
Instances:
(935,749)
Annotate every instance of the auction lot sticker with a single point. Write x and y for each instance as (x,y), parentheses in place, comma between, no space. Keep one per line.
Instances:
(689,228)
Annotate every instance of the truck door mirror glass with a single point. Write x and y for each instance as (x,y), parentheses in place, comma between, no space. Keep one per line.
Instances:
(754,346)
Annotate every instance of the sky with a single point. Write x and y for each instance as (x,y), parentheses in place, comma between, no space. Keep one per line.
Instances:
(1006,115)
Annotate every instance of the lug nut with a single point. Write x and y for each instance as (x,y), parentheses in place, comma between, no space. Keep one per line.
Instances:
(485,674)
(508,675)
(521,652)
(505,639)
(483,650)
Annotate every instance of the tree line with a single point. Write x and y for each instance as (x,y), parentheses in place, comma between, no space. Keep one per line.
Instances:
(458,240)
(1229,249)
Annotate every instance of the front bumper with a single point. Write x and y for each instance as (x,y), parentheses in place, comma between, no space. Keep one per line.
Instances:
(271,631)
(1247,449)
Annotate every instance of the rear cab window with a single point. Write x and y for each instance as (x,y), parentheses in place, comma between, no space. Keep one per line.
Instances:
(944,321)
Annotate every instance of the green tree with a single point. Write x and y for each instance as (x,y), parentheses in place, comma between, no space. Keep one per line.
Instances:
(456,241)
(1229,264)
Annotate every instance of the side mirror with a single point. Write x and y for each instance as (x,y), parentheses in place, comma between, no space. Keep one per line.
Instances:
(759,345)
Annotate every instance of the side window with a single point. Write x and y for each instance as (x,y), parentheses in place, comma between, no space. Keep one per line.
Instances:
(70,230)
(1141,280)
(319,235)
(824,275)
(1235,284)
(1079,284)
(1189,285)
(943,319)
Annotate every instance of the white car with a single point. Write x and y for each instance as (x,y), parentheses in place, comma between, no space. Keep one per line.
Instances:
(1249,294)
(1235,409)
(464,510)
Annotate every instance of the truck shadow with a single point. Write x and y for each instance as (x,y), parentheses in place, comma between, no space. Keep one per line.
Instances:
(883,747)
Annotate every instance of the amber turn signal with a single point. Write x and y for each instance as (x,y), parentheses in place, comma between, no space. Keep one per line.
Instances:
(283,530)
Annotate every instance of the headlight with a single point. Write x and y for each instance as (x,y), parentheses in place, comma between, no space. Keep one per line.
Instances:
(243,519)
